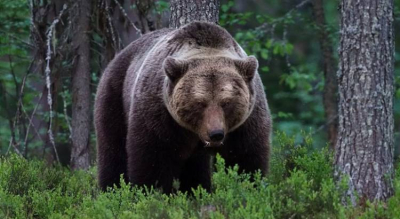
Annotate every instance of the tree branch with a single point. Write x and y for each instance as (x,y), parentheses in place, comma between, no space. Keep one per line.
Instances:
(138,31)
(48,79)
(110,24)
(31,124)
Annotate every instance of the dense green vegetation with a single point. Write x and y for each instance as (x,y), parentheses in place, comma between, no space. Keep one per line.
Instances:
(300,185)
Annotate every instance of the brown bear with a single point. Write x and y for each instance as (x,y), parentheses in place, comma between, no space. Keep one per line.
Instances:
(173,98)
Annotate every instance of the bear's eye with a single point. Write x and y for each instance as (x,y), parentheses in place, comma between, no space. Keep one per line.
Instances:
(225,104)
(201,104)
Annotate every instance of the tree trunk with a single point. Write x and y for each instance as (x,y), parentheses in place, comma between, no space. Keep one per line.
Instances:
(186,11)
(364,149)
(146,22)
(330,89)
(81,87)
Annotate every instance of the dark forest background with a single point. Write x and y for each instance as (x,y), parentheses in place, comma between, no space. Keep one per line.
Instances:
(40,47)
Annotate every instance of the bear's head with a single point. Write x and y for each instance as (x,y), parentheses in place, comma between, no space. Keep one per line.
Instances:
(210,96)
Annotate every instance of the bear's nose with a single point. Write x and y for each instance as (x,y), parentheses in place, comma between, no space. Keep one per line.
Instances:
(216,135)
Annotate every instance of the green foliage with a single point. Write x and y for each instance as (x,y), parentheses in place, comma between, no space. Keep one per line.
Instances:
(299,185)
(161,6)
(32,189)
(14,60)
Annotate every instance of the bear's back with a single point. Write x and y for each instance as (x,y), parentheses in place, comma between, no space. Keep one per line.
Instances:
(140,49)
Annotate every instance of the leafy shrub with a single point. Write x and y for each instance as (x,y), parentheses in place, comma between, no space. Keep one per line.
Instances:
(300,185)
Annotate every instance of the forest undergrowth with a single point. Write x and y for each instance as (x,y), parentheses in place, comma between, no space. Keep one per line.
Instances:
(300,185)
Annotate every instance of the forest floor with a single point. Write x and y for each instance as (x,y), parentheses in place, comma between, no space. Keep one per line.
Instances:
(300,185)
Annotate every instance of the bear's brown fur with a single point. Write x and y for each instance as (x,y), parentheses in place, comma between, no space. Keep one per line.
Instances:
(172,97)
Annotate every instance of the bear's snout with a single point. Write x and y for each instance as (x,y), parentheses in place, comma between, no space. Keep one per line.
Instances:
(212,132)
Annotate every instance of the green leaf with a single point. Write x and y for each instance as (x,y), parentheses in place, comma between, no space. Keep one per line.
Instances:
(264,54)
(265,69)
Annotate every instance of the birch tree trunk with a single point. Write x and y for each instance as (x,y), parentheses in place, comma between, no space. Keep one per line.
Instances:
(187,11)
(81,87)
(330,89)
(364,149)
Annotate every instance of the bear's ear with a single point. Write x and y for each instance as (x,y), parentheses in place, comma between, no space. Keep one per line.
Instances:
(175,68)
(247,67)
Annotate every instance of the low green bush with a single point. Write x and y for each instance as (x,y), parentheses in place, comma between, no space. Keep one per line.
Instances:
(300,185)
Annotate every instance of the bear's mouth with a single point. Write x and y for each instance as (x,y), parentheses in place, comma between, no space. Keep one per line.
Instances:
(211,144)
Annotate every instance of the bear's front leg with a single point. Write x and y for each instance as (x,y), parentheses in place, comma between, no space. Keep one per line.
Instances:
(249,147)
(196,172)
(150,163)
